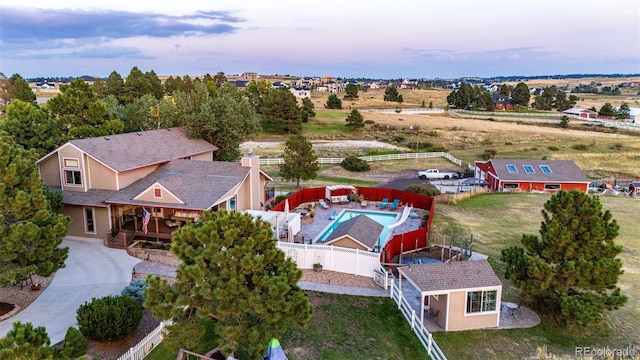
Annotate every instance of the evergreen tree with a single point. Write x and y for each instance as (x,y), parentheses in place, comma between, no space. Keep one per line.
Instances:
(623,112)
(391,94)
(355,119)
(571,270)
(20,89)
(24,342)
(6,89)
(280,112)
(308,108)
(154,83)
(30,232)
(231,273)
(520,95)
(351,92)
(300,160)
(100,88)
(136,85)
(606,110)
(115,86)
(333,102)
(31,127)
(219,79)
(505,90)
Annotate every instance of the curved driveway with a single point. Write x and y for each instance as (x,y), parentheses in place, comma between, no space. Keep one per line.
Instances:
(92,270)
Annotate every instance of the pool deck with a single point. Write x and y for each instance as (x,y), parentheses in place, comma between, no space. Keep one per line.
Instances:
(321,220)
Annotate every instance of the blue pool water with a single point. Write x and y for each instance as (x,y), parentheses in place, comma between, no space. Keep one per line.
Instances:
(419,260)
(380,217)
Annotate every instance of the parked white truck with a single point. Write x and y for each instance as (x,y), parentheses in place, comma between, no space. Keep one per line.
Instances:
(431,174)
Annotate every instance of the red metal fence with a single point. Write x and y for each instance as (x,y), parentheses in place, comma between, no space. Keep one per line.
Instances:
(402,242)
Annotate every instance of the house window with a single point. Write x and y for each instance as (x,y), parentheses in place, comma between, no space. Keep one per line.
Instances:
(552,186)
(481,301)
(511,186)
(232,204)
(71,163)
(73,177)
(512,169)
(545,169)
(89,221)
(157,192)
(157,212)
(528,169)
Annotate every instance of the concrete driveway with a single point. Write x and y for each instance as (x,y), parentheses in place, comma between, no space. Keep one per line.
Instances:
(92,270)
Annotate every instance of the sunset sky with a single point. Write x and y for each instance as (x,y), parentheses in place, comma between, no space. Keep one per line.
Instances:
(374,39)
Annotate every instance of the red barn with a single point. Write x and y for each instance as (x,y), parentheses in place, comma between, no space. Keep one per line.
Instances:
(532,175)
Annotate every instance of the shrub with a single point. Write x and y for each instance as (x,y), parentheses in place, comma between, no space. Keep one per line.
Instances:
(423,189)
(75,344)
(580,147)
(489,154)
(135,290)
(353,163)
(279,198)
(553,148)
(109,318)
(508,143)
(369,121)
(616,146)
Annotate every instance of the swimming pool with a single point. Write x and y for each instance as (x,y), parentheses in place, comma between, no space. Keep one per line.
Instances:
(380,217)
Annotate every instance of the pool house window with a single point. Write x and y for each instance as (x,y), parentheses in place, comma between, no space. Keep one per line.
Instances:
(512,169)
(545,169)
(528,169)
(481,301)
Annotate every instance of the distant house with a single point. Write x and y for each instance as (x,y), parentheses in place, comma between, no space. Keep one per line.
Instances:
(581,113)
(300,93)
(240,84)
(409,84)
(249,76)
(109,183)
(529,175)
(501,102)
(360,232)
(465,295)
(279,85)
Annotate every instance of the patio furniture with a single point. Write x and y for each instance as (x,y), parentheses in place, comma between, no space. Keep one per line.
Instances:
(364,203)
(394,205)
(384,203)
(323,204)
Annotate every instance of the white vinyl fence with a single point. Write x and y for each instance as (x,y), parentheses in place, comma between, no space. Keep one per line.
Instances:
(145,346)
(417,327)
(333,258)
(402,156)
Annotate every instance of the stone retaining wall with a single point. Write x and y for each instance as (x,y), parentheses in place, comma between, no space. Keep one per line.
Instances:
(156,255)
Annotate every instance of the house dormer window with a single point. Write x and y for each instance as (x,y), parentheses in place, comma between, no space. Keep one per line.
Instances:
(157,192)
(73,177)
(512,169)
(545,169)
(71,163)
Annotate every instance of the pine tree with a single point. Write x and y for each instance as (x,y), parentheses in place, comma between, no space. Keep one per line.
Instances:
(570,271)
(300,160)
(231,273)
(355,119)
(30,232)
(20,89)
(280,112)
(25,342)
(333,102)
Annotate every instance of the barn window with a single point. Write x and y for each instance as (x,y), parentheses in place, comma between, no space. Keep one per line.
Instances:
(512,169)
(545,169)
(528,169)
(552,186)
(511,186)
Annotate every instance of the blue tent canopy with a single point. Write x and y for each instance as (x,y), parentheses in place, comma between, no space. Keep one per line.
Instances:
(274,351)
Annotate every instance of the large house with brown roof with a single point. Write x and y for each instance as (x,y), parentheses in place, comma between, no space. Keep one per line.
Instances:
(111,183)
(460,295)
(531,175)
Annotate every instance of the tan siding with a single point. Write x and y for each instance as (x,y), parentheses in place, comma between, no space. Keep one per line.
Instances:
(347,242)
(129,177)
(459,321)
(76,226)
(72,153)
(441,306)
(244,196)
(101,177)
(208,156)
(50,171)
(148,195)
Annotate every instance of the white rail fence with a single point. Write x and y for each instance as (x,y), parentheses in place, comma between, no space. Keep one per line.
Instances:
(402,156)
(146,345)
(334,258)
(417,327)
(409,111)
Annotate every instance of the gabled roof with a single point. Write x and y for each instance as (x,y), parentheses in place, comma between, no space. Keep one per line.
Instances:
(128,151)
(198,184)
(500,99)
(361,228)
(561,170)
(578,111)
(457,275)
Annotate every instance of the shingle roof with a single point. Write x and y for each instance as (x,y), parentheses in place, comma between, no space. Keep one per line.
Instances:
(500,99)
(92,197)
(362,228)
(561,170)
(133,150)
(199,184)
(451,276)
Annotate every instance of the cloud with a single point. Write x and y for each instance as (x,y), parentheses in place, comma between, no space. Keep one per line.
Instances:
(509,54)
(20,25)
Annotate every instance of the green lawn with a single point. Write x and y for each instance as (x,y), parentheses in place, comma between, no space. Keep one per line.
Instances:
(343,327)
(499,220)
